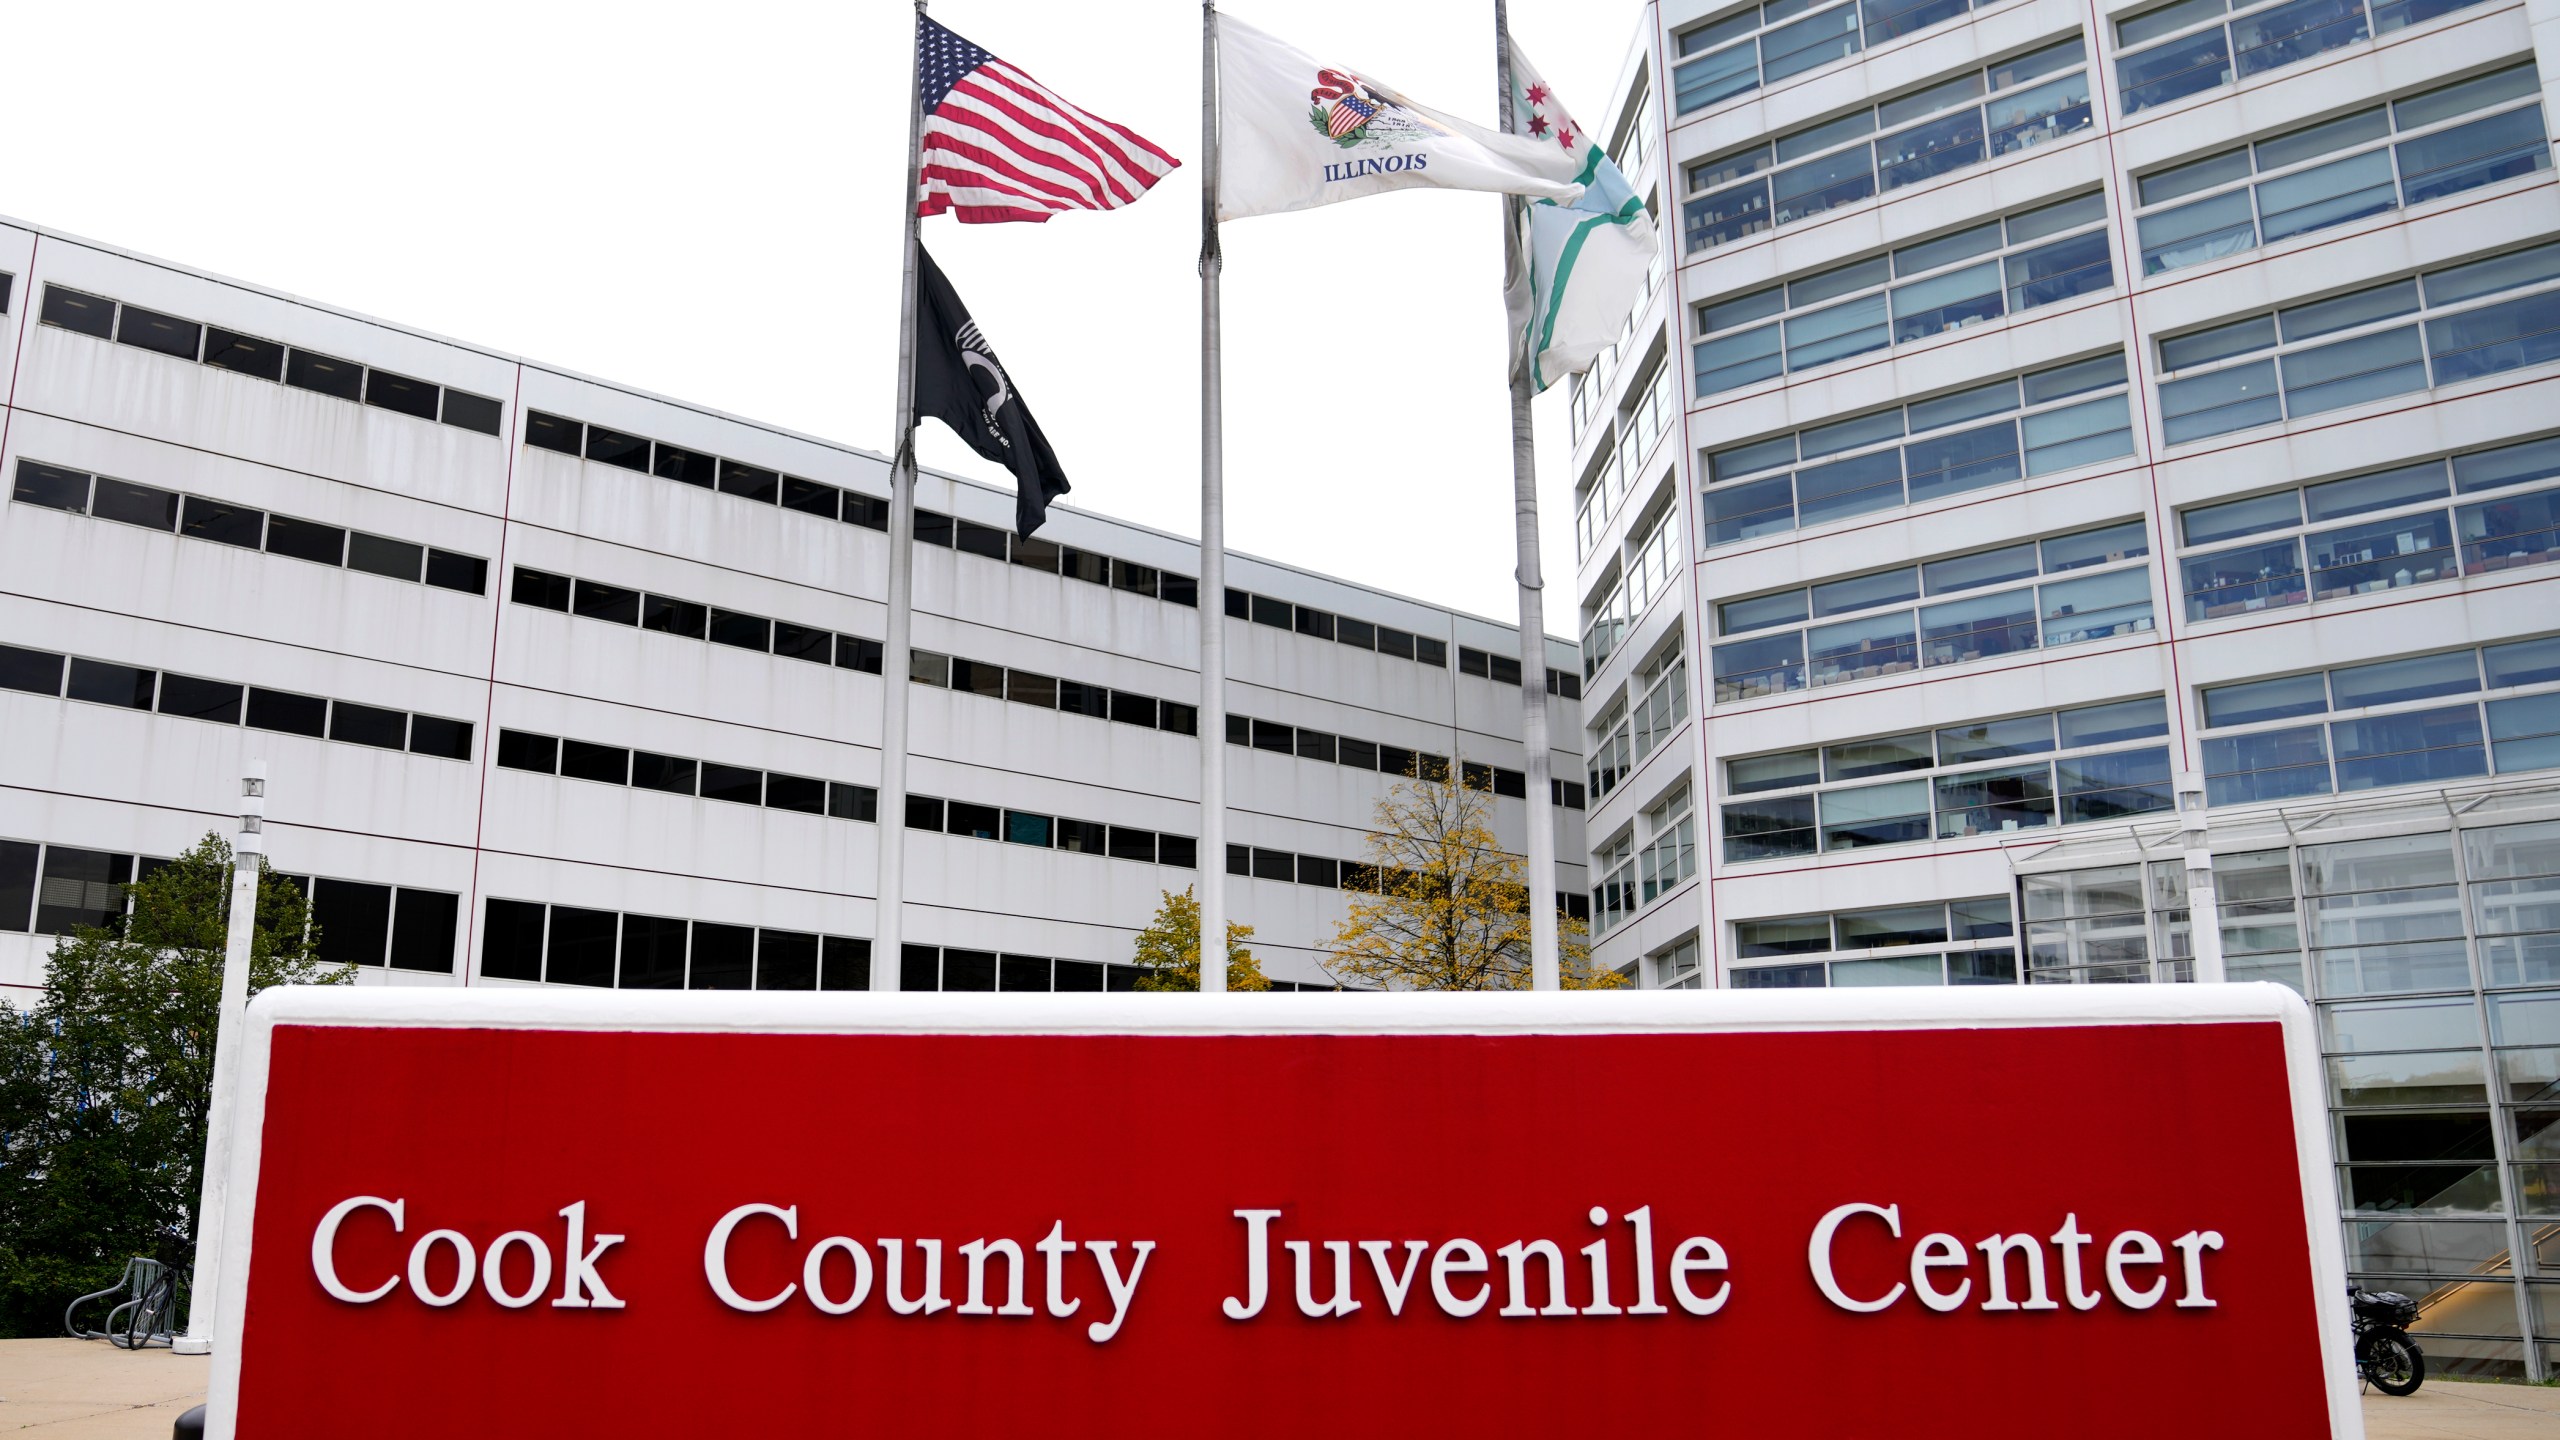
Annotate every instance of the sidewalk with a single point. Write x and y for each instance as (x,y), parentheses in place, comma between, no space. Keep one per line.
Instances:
(87,1390)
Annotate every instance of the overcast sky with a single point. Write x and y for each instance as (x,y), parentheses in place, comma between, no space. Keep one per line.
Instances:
(704,201)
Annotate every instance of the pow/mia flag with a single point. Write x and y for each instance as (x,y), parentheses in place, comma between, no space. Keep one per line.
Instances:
(960,382)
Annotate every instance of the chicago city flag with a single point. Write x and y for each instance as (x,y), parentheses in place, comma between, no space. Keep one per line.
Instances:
(1585,259)
(1293,134)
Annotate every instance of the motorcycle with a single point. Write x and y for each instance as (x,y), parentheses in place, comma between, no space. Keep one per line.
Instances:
(2385,1355)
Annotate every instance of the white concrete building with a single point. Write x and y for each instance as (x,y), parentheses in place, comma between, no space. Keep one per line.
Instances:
(559,681)
(2051,408)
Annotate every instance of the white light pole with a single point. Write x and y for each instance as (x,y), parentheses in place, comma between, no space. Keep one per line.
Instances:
(247,850)
(2195,856)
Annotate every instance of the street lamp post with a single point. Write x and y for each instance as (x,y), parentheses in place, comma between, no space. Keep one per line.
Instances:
(248,849)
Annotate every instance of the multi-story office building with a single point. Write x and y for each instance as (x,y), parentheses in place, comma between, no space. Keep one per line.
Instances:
(2050,410)
(556,681)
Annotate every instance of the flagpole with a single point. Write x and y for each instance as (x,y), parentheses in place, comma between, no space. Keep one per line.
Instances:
(888,931)
(1544,969)
(1213,543)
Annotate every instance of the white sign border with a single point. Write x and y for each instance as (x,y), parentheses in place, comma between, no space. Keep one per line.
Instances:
(1515,1013)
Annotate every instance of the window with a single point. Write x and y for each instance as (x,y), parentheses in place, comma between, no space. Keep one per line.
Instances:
(1935,448)
(55,487)
(2049,254)
(2419,149)
(2379,360)
(1921,135)
(1941,785)
(219,701)
(2264,37)
(1962,942)
(1019,827)
(1956,627)
(2392,727)
(565,946)
(1664,687)
(1670,855)
(687,466)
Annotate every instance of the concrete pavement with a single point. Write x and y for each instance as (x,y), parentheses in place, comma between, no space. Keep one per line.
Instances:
(87,1390)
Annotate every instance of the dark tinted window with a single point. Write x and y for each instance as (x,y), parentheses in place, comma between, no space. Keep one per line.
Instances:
(786,960)
(81,887)
(306,371)
(52,487)
(146,505)
(246,354)
(687,467)
(1506,671)
(675,617)
(1239,605)
(808,496)
(166,334)
(1512,783)
(852,802)
(747,632)
(1475,776)
(288,713)
(933,529)
(608,602)
(924,812)
(365,725)
(1128,844)
(1394,760)
(855,653)
(612,447)
(1180,589)
(1041,555)
(1315,745)
(978,822)
(795,792)
(72,310)
(733,784)
(1317,623)
(919,968)
(422,930)
(1025,688)
(214,700)
(1274,865)
(1272,736)
(223,524)
(1021,827)
(551,432)
(466,573)
(1395,642)
(1131,709)
(377,556)
(604,764)
(845,964)
(753,482)
(511,947)
(518,750)
(968,970)
(800,642)
(724,957)
(652,952)
(1085,837)
(581,948)
(1178,719)
(1077,698)
(1136,579)
(1357,633)
(472,412)
(399,392)
(306,540)
(1275,613)
(534,587)
(1024,972)
(444,739)
(103,684)
(1472,662)
(980,539)
(1178,850)
(33,671)
(1080,975)
(1316,870)
(673,774)
(867,511)
(354,920)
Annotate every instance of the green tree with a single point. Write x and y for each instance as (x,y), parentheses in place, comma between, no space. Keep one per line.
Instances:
(106,1081)
(1169,949)
(1451,911)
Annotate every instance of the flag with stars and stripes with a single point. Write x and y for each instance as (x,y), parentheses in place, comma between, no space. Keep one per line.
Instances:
(999,145)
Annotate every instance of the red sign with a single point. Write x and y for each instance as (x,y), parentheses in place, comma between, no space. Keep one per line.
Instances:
(2020,1213)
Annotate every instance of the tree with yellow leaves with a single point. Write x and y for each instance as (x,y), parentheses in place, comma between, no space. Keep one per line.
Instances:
(1449,910)
(1169,949)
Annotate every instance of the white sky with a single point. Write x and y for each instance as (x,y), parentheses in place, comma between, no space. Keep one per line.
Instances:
(704,201)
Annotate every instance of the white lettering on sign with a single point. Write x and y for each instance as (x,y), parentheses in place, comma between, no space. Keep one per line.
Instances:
(583,1288)
(2128,1254)
(1539,1289)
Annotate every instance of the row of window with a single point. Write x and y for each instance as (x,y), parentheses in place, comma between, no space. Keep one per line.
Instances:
(1763,44)
(1369,755)
(1047,692)
(692,621)
(565,945)
(223,523)
(2387,742)
(1341,629)
(1051,832)
(1932,456)
(1834,163)
(1256,863)
(229,702)
(1651,568)
(1631,878)
(267,359)
(1949,632)
(1657,700)
(2091,778)
(679,775)
(55,889)
(1911,293)
(2371,363)
(2293,195)
(1972,942)
(1050,558)
(2386,552)
(2263,37)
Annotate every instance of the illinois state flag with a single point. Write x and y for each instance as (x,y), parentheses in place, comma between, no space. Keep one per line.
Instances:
(1585,260)
(1293,134)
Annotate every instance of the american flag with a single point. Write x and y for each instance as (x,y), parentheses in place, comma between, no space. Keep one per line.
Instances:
(999,145)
